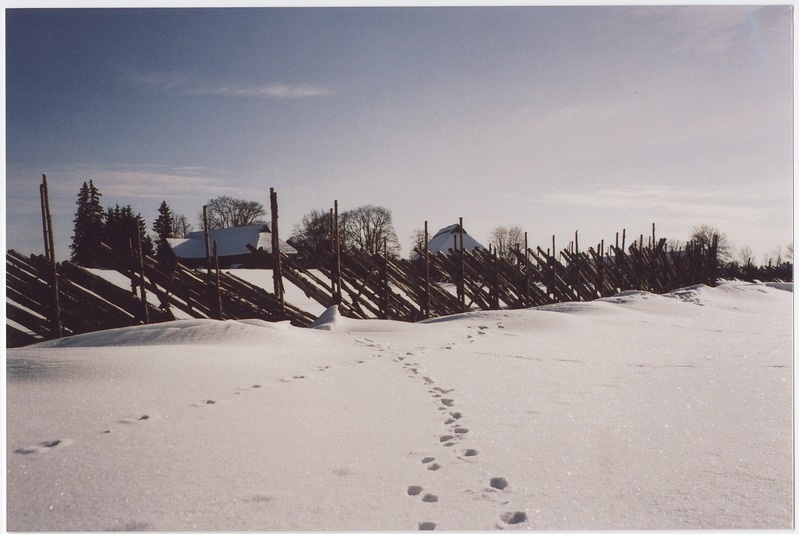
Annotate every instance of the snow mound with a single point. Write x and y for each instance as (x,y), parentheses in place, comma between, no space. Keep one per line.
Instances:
(329,319)
(635,412)
(183,332)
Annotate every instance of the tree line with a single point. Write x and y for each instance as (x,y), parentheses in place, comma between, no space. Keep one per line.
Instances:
(369,228)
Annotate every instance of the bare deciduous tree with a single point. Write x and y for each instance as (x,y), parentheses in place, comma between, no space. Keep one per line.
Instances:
(228,212)
(181,225)
(746,256)
(313,231)
(704,235)
(505,240)
(367,227)
(417,241)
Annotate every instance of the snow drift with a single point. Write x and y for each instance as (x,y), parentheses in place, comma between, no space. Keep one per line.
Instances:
(636,411)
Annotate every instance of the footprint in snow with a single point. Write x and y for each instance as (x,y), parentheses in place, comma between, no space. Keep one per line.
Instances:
(513,518)
(132,420)
(460,430)
(448,402)
(427,459)
(427,525)
(44,446)
(414,490)
(429,497)
(498,483)
(470,452)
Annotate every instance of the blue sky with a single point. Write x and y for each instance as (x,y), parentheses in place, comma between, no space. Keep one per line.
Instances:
(555,119)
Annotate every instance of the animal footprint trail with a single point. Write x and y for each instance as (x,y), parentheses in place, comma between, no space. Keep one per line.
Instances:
(457,432)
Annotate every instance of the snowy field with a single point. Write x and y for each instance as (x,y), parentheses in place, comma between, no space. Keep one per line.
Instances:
(637,411)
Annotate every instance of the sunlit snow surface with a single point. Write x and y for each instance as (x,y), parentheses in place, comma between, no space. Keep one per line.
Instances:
(636,411)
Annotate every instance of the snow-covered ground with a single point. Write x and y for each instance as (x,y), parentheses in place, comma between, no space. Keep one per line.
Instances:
(637,411)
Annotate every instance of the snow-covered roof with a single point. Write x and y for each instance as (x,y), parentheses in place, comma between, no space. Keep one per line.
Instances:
(445,240)
(230,242)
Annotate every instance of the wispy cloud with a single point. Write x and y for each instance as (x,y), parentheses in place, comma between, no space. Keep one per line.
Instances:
(271,90)
(123,183)
(176,82)
(669,202)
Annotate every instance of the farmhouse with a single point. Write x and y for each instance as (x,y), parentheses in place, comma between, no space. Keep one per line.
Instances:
(246,246)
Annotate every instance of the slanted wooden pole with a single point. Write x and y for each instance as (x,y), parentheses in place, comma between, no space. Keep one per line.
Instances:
(277,268)
(56,328)
(207,243)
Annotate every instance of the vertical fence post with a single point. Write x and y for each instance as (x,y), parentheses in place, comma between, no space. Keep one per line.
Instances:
(386,288)
(495,279)
(45,232)
(527,302)
(207,243)
(553,274)
(277,268)
(56,328)
(426,274)
(143,291)
(462,280)
(219,314)
(337,250)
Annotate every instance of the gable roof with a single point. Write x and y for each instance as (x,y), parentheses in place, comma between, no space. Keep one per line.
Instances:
(445,239)
(229,242)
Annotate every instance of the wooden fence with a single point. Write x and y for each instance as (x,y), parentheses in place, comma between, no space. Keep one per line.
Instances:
(364,286)
(47,300)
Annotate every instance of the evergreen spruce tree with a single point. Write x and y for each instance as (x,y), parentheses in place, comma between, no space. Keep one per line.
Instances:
(88,227)
(120,231)
(163,229)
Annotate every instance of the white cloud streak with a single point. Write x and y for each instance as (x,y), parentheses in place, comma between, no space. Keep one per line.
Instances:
(176,82)
(718,205)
